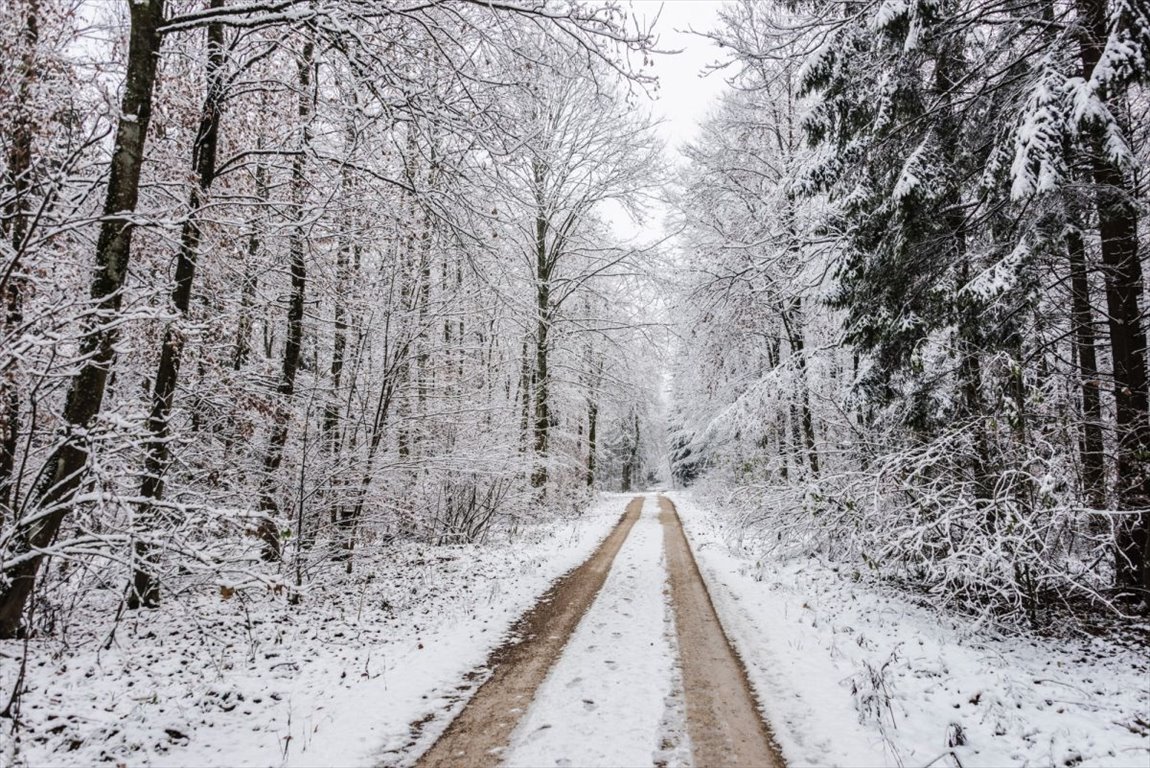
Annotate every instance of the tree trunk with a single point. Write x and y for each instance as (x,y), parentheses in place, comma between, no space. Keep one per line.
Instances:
(145,589)
(248,294)
(15,230)
(409,291)
(544,262)
(523,399)
(949,69)
(332,432)
(631,463)
(592,438)
(293,343)
(1082,317)
(1114,197)
(793,324)
(338,349)
(350,516)
(66,468)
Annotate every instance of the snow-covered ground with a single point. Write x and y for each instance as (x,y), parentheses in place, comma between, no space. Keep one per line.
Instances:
(254,681)
(848,672)
(614,697)
(851,674)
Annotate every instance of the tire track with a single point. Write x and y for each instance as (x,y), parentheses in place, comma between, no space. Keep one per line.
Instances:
(723,719)
(480,732)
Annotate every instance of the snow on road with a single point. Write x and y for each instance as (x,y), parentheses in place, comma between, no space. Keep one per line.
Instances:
(612,698)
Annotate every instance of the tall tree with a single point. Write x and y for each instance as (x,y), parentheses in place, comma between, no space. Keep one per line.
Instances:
(61,478)
(14,229)
(145,590)
(269,528)
(1114,46)
(575,159)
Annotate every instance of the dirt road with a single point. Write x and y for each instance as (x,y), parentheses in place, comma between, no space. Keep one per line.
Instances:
(722,722)
(481,731)
(722,717)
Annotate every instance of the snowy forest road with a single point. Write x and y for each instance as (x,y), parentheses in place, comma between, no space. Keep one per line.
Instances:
(478,734)
(623,662)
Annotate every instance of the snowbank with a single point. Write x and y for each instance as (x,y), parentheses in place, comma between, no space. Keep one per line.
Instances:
(851,674)
(255,681)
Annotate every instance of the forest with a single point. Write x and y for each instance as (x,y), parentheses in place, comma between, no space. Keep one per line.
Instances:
(323,273)
(916,334)
(302,296)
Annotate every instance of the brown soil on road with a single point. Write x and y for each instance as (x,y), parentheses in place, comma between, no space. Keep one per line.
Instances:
(723,720)
(478,735)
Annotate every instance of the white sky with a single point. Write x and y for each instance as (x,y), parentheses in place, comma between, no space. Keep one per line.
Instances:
(684,95)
